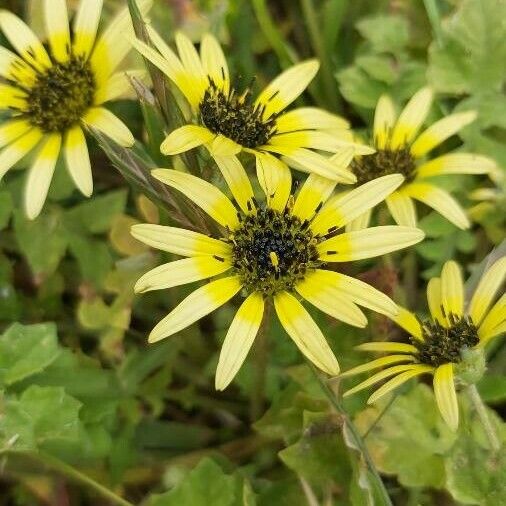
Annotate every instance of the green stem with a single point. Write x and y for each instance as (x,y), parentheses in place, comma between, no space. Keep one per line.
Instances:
(355,436)
(261,356)
(481,411)
(71,473)
(433,14)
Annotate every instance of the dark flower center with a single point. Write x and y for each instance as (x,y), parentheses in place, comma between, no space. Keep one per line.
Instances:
(235,117)
(383,163)
(441,345)
(61,95)
(272,250)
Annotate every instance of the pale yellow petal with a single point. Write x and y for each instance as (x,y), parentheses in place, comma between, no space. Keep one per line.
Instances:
(440,131)
(110,125)
(452,289)
(209,198)
(387,346)
(118,86)
(239,338)
(314,193)
(411,118)
(214,62)
(305,333)
(85,26)
(180,241)
(368,243)
(185,138)
(485,292)
(440,200)
(40,175)
(77,160)
(377,363)
(275,179)
(222,146)
(341,210)
(446,397)
(494,322)
(435,301)
(359,223)
(286,87)
(182,272)
(456,163)
(198,304)
(191,62)
(402,209)
(384,121)
(316,290)
(305,118)
(18,149)
(408,321)
(57,28)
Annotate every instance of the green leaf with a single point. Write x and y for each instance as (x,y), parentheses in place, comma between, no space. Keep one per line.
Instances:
(26,350)
(410,439)
(5,208)
(206,485)
(40,415)
(472,57)
(385,33)
(378,67)
(492,388)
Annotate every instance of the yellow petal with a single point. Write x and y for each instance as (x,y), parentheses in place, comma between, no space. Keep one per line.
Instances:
(305,333)
(78,160)
(110,125)
(402,209)
(494,323)
(214,62)
(305,118)
(12,130)
(314,193)
(408,321)
(222,146)
(12,97)
(384,120)
(411,118)
(237,180)
(275,179)
(185,138)
(239,338)
(326,298)
(211,200)
(191,62)
(377,363)
(40,175)
(118,86)
(198,304)
(285,88)
(57,28)
(452,289)
(485,292)
(180,241)
(440,200)
(440,131)
(435,301)
(181,272)
(86,25)
(416,370)
(341,210)
(18,149)
(368,243)
(456,163)
(360,222)
(446,398)
(23,40)
(387,346)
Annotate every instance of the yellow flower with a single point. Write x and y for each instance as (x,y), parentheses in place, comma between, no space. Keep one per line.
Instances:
(399,150)
(439,345)
(51,91)
(275,250)
(227,120)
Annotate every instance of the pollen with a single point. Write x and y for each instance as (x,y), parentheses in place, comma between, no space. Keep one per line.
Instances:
(383,163)
(442,345)
(61,95)
(236,117)
(273,250)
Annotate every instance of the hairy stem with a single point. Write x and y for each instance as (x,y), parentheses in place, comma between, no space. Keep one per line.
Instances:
(355,436)
(481,411)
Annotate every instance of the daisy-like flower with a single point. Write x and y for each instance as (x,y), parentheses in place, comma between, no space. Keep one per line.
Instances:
(228,121)
(400,150)
(440,344)
(53,90)
(272,251)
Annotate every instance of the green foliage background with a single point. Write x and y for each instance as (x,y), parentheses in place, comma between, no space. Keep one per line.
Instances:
(85,397)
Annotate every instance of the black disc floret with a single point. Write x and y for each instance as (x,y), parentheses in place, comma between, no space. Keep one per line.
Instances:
(442,344)
(61,95)
(236,117)
(383,163)
(273,250)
